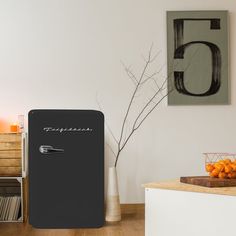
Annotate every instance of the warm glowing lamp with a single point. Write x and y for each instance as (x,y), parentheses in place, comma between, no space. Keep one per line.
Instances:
(14,127)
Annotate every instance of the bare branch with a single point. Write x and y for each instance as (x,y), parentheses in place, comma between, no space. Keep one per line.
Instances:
(158,87)
(133,95)
(131,133)
(147,109)
(106,123)
(143,57)
(126,142)
(111,149)
(151,100)
(155,56)
(130,73)
(153,108)
(149,77)
(148,103)
(150,52)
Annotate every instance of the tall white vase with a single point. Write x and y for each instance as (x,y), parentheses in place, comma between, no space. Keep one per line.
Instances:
(113,212)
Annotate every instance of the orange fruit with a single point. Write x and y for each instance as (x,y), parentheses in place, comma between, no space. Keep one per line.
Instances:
(233,165)
(219,166)
(227,161)
(209,167)
(221,161)
(222,175)
(214,173)
(223,169)
(228,168)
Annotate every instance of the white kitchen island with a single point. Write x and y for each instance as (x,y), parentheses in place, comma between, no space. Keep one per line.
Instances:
(176,209)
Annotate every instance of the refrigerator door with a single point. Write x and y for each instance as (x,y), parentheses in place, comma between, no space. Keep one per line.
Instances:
(66,168)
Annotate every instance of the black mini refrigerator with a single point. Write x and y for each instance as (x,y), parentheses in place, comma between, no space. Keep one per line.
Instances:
(66,168)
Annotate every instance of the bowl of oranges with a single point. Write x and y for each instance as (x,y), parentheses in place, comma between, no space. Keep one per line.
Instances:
(221,165)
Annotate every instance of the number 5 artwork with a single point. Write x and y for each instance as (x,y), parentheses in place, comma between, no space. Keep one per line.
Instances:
(197,54)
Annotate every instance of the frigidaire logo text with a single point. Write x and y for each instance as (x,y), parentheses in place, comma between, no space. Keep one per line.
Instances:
(61,130)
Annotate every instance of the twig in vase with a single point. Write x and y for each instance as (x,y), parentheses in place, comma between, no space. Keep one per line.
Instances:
(149,106)
(148,61)
(141,81)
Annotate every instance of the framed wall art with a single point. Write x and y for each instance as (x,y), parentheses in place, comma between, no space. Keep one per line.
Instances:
(197,54)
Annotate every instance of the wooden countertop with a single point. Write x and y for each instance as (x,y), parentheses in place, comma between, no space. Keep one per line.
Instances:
(176,185)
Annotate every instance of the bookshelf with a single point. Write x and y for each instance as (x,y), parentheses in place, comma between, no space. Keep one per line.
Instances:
(13,177)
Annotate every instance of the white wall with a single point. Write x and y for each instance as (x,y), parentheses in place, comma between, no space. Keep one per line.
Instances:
(60,54)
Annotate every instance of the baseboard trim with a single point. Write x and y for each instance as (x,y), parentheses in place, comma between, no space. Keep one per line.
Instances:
(136,208)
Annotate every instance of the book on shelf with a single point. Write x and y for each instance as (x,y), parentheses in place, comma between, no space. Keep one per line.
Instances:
(9,208)
(12,208)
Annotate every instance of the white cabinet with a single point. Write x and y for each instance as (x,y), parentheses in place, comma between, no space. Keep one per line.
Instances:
(188,210)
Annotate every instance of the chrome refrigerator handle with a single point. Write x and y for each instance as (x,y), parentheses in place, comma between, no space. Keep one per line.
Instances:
(46,149)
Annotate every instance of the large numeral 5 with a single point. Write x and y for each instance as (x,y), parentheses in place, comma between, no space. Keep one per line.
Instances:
(179,54)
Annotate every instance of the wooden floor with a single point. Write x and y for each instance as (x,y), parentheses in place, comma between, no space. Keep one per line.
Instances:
(132,224)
